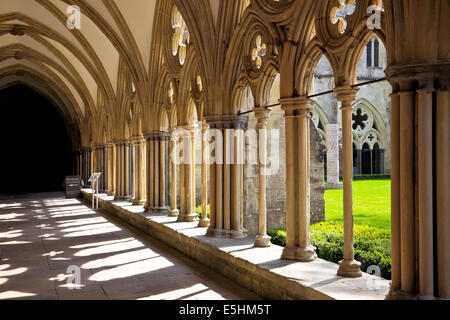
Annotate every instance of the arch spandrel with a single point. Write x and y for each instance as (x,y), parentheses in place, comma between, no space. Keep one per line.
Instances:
(345,46)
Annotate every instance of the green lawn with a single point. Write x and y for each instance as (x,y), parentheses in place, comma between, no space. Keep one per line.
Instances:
(371,204)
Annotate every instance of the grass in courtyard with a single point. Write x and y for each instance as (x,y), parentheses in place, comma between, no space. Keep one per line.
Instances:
(371,204)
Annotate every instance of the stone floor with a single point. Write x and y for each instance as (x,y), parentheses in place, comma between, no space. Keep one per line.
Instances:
(46,241)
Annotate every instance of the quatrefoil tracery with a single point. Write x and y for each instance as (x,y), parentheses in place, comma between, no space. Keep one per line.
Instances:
(171,93)
(339,14)
(258,52)
(362,121)
(181,36)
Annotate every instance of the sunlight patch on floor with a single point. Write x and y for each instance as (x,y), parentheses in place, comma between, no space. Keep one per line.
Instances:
(15,295)
(115,247)
(131,269)
(119,259)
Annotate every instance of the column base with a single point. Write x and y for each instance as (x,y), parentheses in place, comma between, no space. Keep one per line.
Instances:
(401,295)
(174,213)
(306,254)
(204,223)
(162,209)
(224,233)
(137,202)
(191,217)
(349,269)
(263,241)
(111,193)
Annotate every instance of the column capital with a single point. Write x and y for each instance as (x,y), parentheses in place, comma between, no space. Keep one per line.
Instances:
(157,135)
(297,105)
(98,146)
(227,122)
(149,135)
(346,95)
(122,142)
(425,74)
(137,139)
(262,113)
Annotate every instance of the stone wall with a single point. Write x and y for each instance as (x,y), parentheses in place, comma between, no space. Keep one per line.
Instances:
(276,183)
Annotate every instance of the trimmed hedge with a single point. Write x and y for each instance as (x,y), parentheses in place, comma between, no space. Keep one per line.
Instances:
(361,177)
(198,210)
(372,245)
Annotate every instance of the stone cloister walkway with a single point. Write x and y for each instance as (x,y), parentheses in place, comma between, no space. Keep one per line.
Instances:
(44,238)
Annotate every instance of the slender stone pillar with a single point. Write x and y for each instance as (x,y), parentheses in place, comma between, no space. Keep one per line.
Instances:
(443,191)
(204,220)
(132,165)
(395,194)
(425,192)
(348,267)
(187,213)
(150,138)
(126,155)
(139,198)
(421,215)
(262,114)
(99,165)
(163,139)
(156,175)
(104,169)
(111,171)
(298,242)
(87,154)
(118,179)
(173,212)
(122,170)
(225,174)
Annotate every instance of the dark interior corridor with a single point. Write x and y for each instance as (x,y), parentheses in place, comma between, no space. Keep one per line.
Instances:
(35,147)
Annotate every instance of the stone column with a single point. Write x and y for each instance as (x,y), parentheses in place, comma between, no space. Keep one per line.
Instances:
(187,213)
(126,155)
(348,267)
(204,220)
(173,212)
(99,165)
(139,198)
(225,175)
(420,181)
(333,157)
(118,164)
(132,166)
(86,166)
(149,205)
(104,169)
(119,171)
(443,190)
(111,167)
(298,189)
(262,114)
(163,138)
